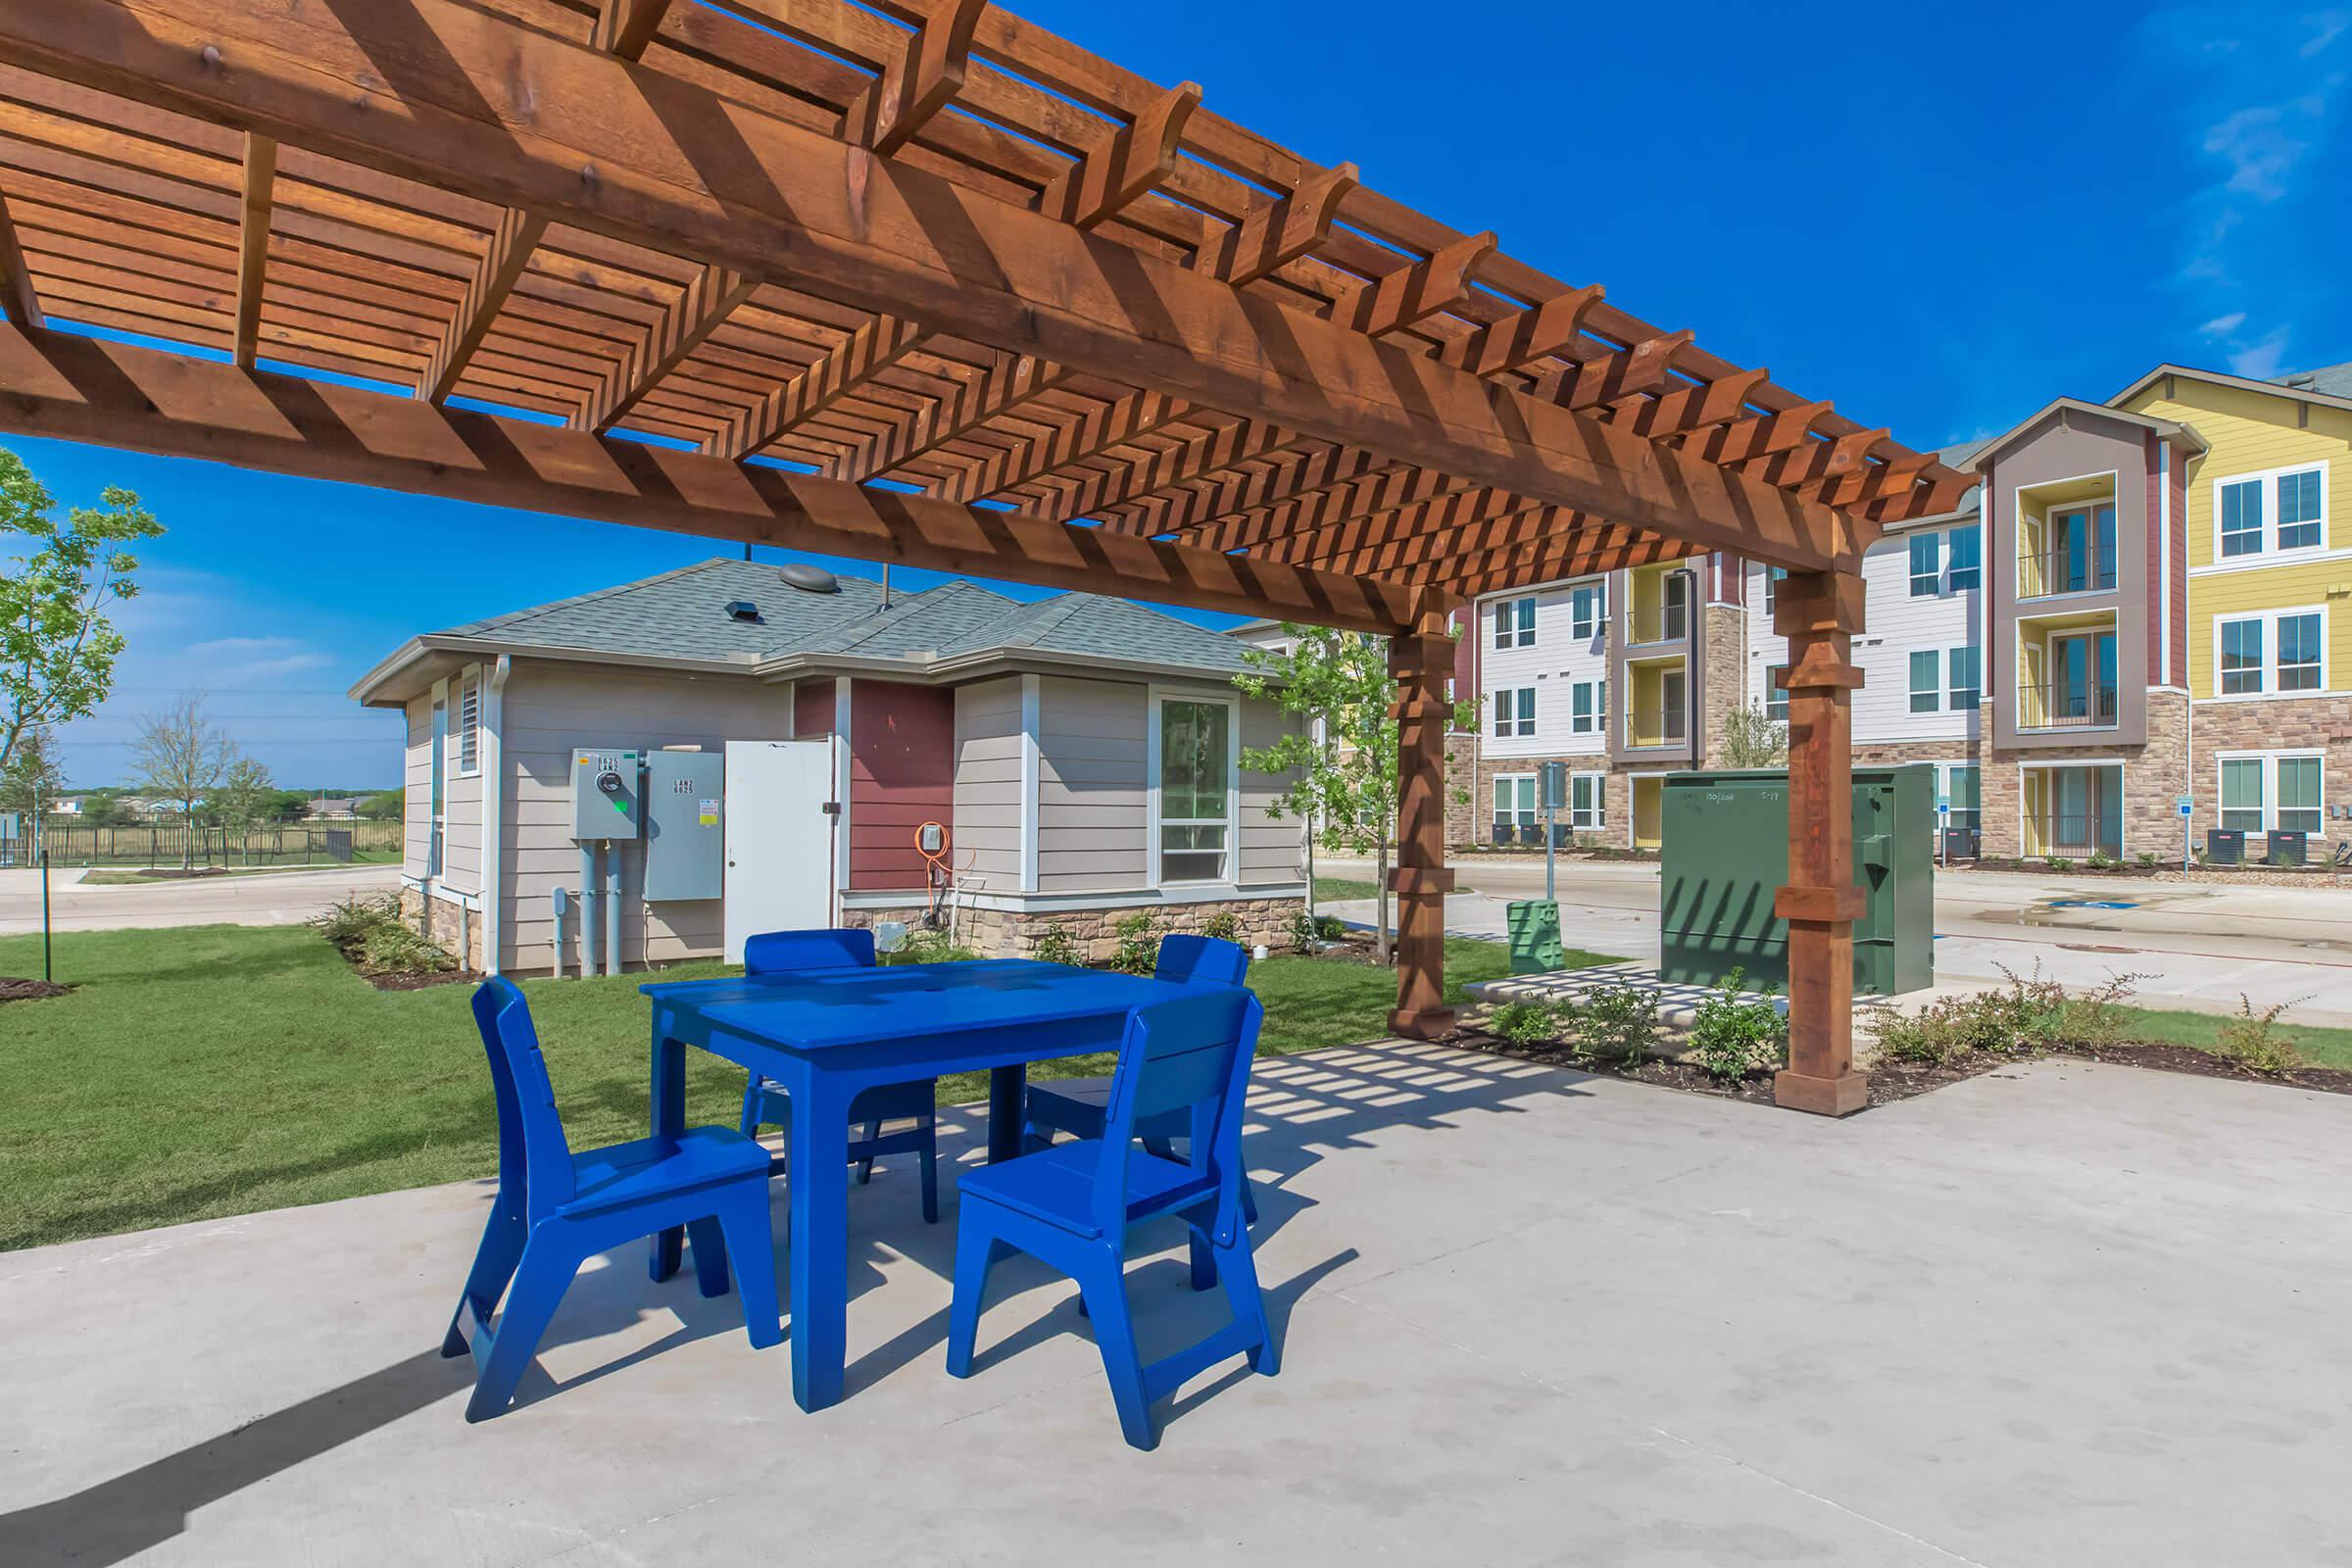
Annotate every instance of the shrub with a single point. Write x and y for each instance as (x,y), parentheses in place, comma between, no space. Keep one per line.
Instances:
(2096,1018)
(2031,1013)
(1055,945)
(393,949)
(1224,925)
(1733,1036)
(1619,1024)
(1528,1024)
(2059,862)
(2151,861)
(1302,932)
(2253,1040)
(2099,860)
(928,945)
(348,922)
(1138,952)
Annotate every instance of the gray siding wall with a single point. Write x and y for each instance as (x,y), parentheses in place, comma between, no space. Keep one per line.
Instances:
(1272,849)
(1092,806)
(988,785)
(417,819)
(461,800)
(550,711)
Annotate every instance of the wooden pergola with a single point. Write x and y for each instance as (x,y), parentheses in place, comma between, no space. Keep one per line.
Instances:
(912,282)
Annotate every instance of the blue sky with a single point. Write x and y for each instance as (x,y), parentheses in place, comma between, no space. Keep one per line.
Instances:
(1942,217)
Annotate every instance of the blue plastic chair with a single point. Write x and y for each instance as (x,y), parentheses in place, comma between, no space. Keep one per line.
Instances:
(766,1103)
(1077,1106)
(555,1210)
(1072,1205)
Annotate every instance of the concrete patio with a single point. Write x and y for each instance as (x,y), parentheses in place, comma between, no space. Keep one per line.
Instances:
(2065,1316)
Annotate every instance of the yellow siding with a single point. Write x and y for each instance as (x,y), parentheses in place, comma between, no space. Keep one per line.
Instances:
(2253,432)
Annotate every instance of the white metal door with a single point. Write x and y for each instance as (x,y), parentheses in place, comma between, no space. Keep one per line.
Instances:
(779,837)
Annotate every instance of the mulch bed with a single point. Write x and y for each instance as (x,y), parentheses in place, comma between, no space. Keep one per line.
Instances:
(419,982)
(1890,1080)
(16,987)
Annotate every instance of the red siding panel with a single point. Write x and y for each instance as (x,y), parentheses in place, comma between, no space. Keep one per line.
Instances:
(902,775)
(811,709)
(2177,613)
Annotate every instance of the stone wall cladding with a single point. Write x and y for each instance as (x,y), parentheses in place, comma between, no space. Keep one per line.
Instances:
(2320,724)
(1014,932)
(1724,634)
(458,929)
(2154,776)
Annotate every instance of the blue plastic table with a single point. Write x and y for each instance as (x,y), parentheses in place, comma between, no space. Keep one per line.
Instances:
(825,1034)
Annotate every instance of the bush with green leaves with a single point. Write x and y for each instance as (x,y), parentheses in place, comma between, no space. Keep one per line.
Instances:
(393,949)
(2100,860)
(1138,952)
(2254,1041)
(930,945)
(348,922)
(2030,1013)
(1530,1024)
(1054,944)
(1617,1025)
(1224,926)
(2150,860)
(2059,862)
(1734,1036)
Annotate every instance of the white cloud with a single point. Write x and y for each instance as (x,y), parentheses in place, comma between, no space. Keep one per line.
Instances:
(2326,27)
(240,645)
(2223,325)
(2263,143)
(2262,358)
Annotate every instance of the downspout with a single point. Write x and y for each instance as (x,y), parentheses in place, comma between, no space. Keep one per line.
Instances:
(1694,686)
(494,813)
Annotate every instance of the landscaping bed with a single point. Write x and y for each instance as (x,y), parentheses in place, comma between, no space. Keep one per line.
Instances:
(373,939)
(17,988)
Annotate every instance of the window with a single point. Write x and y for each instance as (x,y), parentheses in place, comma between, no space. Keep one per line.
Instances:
(2299,509)
(1587,801)
(1195,799)
(1776,695)
(1514,806)
(469,727)
(1773,577)
(2298,795)
(440,765)
(2299,652)
(1515,712)
(1515,624)
(1967,547)
(2293,500)
(1926,681)
(1926,578)
(1588,609)
(2242,656)
(1587,707)
(2241,793)
(1962,791)
(1964,689)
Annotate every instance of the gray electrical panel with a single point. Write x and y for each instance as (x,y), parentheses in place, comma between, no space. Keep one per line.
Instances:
(685,832)
(604,789)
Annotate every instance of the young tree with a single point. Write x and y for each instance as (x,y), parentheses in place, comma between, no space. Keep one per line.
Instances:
(32,779)
(244,798)
(1751,740)
(1343,761)
(182,757)
(57,646)
(385,806)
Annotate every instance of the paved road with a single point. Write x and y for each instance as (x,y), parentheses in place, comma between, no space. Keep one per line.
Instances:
(276,898)
(2198,946)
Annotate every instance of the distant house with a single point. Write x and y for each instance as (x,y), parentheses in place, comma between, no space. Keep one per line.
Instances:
(1080,752)
(331,808)
(68,805)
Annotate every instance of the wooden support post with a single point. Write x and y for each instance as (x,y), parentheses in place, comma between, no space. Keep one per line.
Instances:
(1819,613)
(1420,660)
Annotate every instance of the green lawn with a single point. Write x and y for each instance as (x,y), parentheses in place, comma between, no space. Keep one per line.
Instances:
(222,1069)
(1333,889)
(2322,1048)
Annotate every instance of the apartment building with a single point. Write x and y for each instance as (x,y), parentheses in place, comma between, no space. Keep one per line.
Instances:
(2135,607)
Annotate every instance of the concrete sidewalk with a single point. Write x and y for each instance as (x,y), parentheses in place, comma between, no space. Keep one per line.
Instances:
(2065,1317)
(269,898)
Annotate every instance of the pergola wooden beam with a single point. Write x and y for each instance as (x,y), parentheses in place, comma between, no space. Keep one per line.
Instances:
(710,297)
(1416,291)
(86,389)
(260,180)
(1537,332)
(1277,232)
(920,81)
(624,27)
(836,375)
(590,138)
(509,252)
(19,302)
(1125,164)
(1009,381)
(1063,444)
(1207,450)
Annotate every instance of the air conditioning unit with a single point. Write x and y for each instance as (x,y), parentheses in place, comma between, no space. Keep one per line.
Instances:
(2225,845)
(2286,849)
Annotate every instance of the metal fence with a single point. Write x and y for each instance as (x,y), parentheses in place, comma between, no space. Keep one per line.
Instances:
(172,844)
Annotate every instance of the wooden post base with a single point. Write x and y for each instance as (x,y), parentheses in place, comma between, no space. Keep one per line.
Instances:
(1840,1096)
(1429,1023)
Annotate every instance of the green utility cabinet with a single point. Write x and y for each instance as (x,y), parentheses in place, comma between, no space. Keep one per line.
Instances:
(1725,849)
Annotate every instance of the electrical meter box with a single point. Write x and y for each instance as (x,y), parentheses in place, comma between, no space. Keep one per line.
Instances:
(685,827)
(605,794)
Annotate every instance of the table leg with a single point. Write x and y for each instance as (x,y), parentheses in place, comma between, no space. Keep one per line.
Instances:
(1008,1090)
(817,1180)
(669,1122)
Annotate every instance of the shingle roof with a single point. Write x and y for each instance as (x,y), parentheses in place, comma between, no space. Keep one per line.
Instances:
(682,615)
(2331,380)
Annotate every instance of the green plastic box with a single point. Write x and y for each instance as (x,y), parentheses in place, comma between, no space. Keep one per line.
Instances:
(1534,927)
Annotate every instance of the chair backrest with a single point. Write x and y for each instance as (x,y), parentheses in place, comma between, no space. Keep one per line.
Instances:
(827,948)
(1201,960)
(1191,1053)
(534,1160)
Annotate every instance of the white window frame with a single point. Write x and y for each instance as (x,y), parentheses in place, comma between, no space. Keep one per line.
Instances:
(1534,797)
(2267,549)
(1933,690)
(1157,698)
(436,787)
(1515,624)
(1776,695)
(1951,573)
(1773,578)
(1952,689)
(1595,719)
(2269,620)
(1523,714)
(1596,819)
(1943,793)
(2270,761)
(1934,539)
(1582,627)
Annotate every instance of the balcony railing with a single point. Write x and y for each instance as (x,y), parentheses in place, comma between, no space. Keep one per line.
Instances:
(2066,569)
(2064,705)
(1658,623)
(1656,726)
(2077,833)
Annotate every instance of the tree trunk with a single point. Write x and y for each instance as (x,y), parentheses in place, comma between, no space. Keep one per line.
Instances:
(1380,942)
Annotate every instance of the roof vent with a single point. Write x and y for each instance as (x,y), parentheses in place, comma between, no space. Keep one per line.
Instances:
(2306,380)
(808,579)
(742,610)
